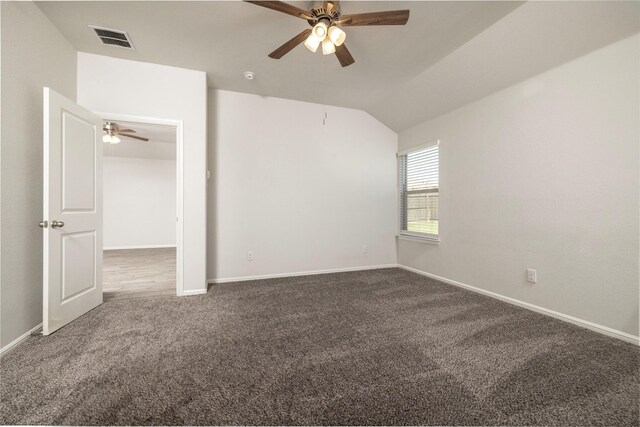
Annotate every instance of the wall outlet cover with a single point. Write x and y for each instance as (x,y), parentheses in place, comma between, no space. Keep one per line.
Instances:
(532,276)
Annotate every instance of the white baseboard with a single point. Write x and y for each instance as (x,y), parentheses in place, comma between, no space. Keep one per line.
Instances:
(189,292)
(18,340)
(301,273)
(561,316)
(112,248)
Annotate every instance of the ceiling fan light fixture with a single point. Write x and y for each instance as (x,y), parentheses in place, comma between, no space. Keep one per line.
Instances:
(312,43)
(328,47)
(336,35)
(110,138)
(320,30)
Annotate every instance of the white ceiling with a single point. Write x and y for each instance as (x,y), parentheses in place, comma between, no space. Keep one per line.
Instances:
(450,53)
(534,38)
(161,144)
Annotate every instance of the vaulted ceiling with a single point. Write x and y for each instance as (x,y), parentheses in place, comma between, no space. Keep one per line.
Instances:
(449,53)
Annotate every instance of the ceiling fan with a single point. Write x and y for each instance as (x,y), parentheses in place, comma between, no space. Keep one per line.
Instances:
(111,132)
(325,19)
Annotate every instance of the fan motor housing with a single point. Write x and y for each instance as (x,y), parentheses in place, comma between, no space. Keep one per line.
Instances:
(319,13)
(110,127)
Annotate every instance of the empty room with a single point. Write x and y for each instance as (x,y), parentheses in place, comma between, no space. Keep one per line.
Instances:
(139,209)
(320,213)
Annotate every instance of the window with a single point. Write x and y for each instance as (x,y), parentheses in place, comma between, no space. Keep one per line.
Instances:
(419,190)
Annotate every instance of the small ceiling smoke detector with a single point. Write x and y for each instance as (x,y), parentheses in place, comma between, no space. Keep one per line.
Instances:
(113,37)
(249,75)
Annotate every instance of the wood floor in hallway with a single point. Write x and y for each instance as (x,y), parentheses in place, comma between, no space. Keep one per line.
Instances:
(135,273)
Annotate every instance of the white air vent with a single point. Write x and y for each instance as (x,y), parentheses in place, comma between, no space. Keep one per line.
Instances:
(113,37)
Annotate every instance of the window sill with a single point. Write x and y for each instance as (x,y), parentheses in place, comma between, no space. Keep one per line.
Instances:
(426,240)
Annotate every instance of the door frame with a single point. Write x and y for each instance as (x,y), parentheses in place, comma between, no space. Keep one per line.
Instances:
(179,125)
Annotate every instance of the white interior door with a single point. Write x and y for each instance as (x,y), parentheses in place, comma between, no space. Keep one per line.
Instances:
(72,223)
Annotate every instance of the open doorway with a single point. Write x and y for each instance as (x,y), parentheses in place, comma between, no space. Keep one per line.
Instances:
(140,205)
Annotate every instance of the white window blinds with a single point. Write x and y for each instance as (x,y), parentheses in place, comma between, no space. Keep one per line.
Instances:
(419,189)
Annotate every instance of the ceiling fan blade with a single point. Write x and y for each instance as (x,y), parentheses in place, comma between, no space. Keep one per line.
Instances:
(333,3)
(127,130)
(344,56)
(134,137)
(282,7)
(285,48)
(329,6)
(391,17)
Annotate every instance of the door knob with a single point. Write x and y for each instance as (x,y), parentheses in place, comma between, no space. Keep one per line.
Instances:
(57,224)
(43,224)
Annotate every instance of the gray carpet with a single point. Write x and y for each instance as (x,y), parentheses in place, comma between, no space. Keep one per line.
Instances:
(374,347)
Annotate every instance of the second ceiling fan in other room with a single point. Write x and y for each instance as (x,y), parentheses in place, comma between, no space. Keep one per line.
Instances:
(325,20)
(112,132)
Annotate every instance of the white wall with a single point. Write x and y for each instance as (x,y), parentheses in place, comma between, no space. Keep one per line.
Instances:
(544,175)
(118,86)
(300,195)
(34,54)
(139,202)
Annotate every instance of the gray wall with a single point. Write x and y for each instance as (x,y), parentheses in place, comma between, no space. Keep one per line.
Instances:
(34,54)
(544,175)
(121,87)
(302,196)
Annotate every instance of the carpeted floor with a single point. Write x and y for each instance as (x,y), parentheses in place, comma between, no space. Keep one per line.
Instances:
(374,347)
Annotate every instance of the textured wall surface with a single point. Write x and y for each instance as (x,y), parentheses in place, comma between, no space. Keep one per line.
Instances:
(34,55)
(139,202)
(301,195)
(544,175)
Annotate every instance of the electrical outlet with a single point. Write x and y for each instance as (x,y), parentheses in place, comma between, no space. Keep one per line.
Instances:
(364,249)
(250,256)
(532,276)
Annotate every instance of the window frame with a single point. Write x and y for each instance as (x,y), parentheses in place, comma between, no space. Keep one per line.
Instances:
(413,235)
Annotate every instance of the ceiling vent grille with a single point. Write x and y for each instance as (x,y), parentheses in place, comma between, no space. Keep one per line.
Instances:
(113,37)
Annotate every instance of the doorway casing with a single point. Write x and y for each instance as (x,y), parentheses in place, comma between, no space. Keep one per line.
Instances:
(178,124)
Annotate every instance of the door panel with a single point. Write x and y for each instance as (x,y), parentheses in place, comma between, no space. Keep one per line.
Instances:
(78,265)
(73,208)
(78,164)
